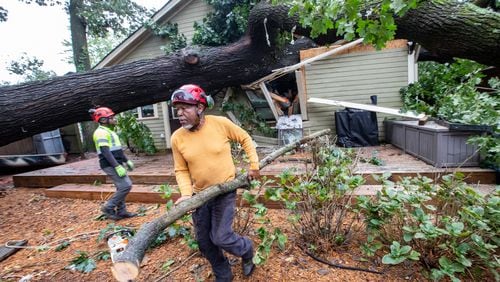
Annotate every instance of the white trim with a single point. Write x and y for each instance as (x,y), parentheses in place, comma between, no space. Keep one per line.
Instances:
(411,67)
(155,112)
(166,124)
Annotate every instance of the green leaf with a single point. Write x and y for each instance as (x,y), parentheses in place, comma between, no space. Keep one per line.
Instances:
(404,250)
(388,259)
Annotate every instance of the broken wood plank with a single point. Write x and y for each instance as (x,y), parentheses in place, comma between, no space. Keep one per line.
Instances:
(269,99)
(301,92)
(371,108)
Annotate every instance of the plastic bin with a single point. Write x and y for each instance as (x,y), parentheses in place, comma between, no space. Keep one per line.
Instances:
(433,143)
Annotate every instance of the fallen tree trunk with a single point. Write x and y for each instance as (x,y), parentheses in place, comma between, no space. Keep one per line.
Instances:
(127,264)
(446,29)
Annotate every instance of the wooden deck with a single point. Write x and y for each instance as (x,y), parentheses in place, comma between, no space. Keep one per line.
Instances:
(84,179)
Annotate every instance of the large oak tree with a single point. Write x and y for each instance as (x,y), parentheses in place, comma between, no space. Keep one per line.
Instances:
(446,29)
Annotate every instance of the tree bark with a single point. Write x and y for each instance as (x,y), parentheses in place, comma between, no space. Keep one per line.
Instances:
(445,28)
(127,264)
(449,30)
(78,28)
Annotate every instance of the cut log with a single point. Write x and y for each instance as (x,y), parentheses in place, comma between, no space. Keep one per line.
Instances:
(127,264)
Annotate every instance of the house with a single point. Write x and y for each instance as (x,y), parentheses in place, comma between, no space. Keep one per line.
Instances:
(142,44)
(352,75)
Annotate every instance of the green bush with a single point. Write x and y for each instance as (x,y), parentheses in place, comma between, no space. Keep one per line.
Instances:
(450,92)
(450,228)
(137,136)
(319,201)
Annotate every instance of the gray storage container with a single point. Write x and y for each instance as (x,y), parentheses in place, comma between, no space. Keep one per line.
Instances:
(48,142)
(433,143)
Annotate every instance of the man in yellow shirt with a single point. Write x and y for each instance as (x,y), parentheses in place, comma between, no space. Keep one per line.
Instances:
(202,157)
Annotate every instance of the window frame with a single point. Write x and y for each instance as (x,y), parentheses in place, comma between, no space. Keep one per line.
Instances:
(155,113)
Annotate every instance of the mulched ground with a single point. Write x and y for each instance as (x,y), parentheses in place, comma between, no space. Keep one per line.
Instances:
(27,214)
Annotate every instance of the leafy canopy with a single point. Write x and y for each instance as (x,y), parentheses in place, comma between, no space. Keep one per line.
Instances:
(30,69)
(372,20)
(226,24)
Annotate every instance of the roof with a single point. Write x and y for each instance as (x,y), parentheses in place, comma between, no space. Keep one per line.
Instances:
(169,10)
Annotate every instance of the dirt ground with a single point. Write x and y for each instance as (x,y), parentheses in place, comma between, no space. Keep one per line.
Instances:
(28,214)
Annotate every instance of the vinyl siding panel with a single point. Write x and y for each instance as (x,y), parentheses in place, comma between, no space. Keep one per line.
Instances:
(185,18)
(354,77)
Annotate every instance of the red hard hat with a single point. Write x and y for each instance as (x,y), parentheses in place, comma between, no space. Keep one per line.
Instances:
(191,94)
(101,112)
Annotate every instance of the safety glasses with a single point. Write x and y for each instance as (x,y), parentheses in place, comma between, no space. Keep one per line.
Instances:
(182,96)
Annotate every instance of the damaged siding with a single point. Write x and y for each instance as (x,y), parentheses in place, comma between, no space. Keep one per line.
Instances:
(354,77)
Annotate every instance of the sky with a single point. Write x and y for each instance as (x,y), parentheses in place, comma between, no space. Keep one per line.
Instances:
(39,32)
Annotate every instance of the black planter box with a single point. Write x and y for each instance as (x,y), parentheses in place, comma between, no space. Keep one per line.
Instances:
(433,143)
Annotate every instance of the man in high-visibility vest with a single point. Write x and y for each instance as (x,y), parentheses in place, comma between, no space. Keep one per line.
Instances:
(111,161)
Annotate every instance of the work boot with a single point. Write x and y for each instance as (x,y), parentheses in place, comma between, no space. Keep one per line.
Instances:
(126,214)
(247,264)
(121,211)
(110,213)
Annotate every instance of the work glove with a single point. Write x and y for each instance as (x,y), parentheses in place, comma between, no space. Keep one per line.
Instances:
(121,171)
(130,165)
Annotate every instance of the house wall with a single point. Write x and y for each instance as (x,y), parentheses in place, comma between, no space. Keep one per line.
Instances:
(354,77)
(22,147)
(150,48)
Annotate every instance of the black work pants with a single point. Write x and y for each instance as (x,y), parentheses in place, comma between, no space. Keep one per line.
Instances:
(214,232)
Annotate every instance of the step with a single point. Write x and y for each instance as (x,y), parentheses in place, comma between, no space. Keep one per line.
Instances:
(472,176)
(150,194)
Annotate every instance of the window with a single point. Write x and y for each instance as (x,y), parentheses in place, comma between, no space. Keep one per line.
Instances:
(147,112)
(174,113)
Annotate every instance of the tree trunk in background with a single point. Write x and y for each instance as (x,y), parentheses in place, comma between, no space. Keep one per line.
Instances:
(445,28)
(81,60)
(78,37)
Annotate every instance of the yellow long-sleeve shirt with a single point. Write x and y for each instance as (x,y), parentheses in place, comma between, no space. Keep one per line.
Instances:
(203,158)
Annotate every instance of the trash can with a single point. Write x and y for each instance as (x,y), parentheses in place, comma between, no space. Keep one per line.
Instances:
(49,142)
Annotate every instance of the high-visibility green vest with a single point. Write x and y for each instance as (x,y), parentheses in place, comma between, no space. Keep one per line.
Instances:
(104,136)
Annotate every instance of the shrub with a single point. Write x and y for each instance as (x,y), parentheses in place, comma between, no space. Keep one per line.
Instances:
(450,228)
(136,135)
(319,201)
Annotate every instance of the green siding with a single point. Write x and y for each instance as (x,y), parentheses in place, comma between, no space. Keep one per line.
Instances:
(185,18)
(354,78)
